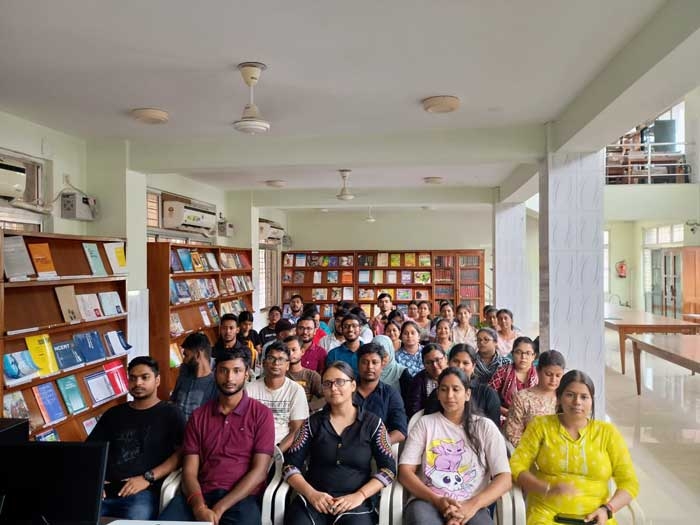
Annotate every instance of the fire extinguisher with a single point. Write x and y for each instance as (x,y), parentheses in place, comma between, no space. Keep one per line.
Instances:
(621,268)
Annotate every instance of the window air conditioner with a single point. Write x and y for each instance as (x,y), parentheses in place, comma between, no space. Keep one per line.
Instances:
(275,233)
(13,180)
(180,216)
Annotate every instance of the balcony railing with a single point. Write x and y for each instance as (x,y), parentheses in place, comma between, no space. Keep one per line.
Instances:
(647,163)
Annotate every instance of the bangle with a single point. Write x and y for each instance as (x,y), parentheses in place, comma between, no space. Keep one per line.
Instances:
(610,506)
(191,496)
(547,489)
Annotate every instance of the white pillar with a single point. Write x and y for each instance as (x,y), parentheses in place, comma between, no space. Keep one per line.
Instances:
(571,263)
(510,262)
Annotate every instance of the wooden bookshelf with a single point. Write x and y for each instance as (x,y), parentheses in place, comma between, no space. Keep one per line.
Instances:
(31,307)
(456,275)
(234,268)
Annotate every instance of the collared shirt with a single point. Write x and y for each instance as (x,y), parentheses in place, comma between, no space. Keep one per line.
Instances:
(226,443)
(330,341)
(413,362)
(294,319)
(343,353)
(341,464)
(314,358)
(385,401)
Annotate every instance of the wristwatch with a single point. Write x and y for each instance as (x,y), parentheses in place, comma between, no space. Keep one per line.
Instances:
(607,508)
(151,478)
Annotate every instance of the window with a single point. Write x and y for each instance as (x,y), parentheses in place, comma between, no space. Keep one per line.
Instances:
(154,225)
(646,264)
(667,234)
(650,236)
(664,234)
(153,209)
(268,277)
(678,230)
(606,261)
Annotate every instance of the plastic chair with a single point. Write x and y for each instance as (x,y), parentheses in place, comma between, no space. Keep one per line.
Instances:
(270,512)
(170,486)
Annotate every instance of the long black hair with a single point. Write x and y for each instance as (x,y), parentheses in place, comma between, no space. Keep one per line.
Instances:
(468,422)
(576,376)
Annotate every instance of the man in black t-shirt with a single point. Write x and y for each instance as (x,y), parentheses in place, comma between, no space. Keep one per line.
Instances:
(144,439)
(195,383)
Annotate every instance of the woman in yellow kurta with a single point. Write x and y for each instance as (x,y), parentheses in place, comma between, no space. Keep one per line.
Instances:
(574,457)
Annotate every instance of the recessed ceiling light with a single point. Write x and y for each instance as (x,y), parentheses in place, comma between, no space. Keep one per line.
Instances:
(427,208)
(433,180)
(276,183)
(441,104)
(323,210)
(150,115)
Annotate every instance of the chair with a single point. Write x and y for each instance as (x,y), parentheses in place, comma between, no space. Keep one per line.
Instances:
(272,513)
(170,486)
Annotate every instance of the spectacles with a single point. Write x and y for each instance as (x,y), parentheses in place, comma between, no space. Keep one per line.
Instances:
(339,383)
(434,362)
(273,360)
(353,326)
(484,339)
(306,328)
(524,354)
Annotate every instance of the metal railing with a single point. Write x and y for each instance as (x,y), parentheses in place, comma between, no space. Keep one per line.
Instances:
(647,163)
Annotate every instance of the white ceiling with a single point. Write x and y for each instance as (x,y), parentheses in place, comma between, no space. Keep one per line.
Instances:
(334,67)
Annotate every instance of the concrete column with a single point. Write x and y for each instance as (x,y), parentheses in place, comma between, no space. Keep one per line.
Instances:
(571,262)
(510,262)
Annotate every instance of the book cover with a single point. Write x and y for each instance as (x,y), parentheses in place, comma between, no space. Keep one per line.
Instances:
(365,294)
(66,355)
(182,291)
(332,276)
(49,435)
(406,277)
(92,253)
(197,265)
(41,350)
(204,313)
(313,260)
(327,310)
(89,345)
(422,295)
(117,376)
(175,355)
(287,275)
(99,386)
(300,259)
(363,277)
(390,291)
(116,257)
(244,261)
(346,277)
(395,259)
(346,260)
(175,263)
(230,287)
(211,259)
(367,309)
(404,294)
(70,391)
(424,260)
(213,313)
(43,262)
(193,288)
(204,261)
(336,294)
(111,303)
(212,288)
(116,342)
(382,259)
(421,277)
(333,261)
(14,406)
(288,259)
(49,404)
(174,299)
(176,327)
(319,294)
(318,276)
(391,277)
(325,261)
(18,368)
(89,424)
(409,259)
(16,261)
(298,277)
(89,306)
(286,310)
(378,277)
(348,293)
(185,258)
(68,304)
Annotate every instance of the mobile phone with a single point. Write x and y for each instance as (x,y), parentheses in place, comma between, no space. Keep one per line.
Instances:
(112,489)
(570,519)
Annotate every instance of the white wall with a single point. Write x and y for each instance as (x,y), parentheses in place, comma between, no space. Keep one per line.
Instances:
(532,251)
(624,246)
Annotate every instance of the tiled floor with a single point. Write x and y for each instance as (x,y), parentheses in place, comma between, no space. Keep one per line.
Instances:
(662,429)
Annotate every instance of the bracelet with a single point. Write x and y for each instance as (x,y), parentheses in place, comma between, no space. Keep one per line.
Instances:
(191,496)
(610,506)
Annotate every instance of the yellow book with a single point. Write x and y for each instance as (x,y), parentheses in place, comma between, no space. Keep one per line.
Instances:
(41,350)
(116,257)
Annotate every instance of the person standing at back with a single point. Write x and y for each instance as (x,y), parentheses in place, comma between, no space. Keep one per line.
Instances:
(195,383)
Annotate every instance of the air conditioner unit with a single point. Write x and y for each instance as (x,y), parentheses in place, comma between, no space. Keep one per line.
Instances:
(13,179)
(180,216)
(275,233)
(263,231)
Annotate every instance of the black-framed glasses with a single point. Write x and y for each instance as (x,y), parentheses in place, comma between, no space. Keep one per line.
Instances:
(436,361)
(338,383)
(524,354)
(273,360)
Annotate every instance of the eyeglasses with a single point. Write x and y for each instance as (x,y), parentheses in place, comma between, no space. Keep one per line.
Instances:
(435,362)
(353,326)
(339,383)
(274,360)
(306,328)
(484,339)
(524,354)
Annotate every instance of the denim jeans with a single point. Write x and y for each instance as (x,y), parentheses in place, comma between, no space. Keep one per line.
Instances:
(420,512)
(245,512)
(140,506)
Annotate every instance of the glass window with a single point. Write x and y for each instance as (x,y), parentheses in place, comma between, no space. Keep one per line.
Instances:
(606,261)
(153,209)
(646,257)
(664,235)
(650,236)
(678,230)
(268,276)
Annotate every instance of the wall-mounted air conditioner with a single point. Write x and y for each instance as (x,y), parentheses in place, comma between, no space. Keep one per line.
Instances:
(181,216)
(13,179)
(275,233)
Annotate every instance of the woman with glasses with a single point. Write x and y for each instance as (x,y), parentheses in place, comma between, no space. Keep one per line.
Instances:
(338,445)
(488,359)
(454,462)
(539,400)
(425,381)
(518,375)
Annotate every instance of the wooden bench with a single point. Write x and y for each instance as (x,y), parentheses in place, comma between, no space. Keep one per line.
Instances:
(682,350)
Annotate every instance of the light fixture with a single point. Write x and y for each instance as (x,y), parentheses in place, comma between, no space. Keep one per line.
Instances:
(251,122)
(441,104)
(369,217)
(433,180)
(344,194)
(275,183)
(150,115)
(323,210)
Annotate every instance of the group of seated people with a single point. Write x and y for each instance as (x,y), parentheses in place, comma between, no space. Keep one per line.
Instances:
(335,399)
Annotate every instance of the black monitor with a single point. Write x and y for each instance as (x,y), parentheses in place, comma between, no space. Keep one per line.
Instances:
(52,483)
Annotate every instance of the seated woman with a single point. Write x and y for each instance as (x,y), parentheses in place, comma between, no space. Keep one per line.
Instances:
(396,316)
(339,443)
(507,333)
(423,320)
(425,381)
(515,376)
(487,359)
(393,331)
(490,317)
(393,374)
(454,463)
(446,312)
(443,334)
(463,331)
(539,400)
(409,354)
(575,458)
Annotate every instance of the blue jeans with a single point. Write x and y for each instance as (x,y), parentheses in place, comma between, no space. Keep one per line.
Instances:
(140,506)
(245,512)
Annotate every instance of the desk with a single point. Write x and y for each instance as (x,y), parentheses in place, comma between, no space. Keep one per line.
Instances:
(682,350)
(625,321)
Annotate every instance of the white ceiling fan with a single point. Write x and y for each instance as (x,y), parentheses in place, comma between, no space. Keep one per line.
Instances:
(251,122)
(345,194)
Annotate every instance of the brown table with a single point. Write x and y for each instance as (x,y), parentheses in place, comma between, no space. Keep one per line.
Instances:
(625,321)
(682,350)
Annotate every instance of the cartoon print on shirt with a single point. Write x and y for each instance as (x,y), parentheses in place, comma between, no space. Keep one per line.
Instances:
(445,472)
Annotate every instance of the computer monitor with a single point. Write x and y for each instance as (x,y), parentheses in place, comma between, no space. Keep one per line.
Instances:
(52,483)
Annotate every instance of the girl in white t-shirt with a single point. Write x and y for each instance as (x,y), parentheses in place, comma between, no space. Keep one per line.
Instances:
(454,463)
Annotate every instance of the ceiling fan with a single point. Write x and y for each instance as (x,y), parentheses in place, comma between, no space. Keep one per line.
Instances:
(345,194)
(251,122)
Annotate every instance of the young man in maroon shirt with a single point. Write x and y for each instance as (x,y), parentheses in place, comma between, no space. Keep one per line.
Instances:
(313,356)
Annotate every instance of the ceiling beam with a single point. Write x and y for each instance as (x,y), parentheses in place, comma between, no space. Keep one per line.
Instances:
(520,185)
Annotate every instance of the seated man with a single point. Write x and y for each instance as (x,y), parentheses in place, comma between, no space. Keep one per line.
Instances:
(195,383)
(144,439)
(335,338)
(309,380)
(227,451)
(348,350)
(378,397)
(283,329)
(280,394)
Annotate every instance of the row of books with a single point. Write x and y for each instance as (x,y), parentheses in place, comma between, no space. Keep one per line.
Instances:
(332,277)
(209,315)
(333,261)
(87,306)
(53,435)
(392,276)
(42,358)
(402,294)
(190,260)
(336,293)
(443,275)
(444,261)
(102,385)
(394,260)
(22,261)
(186,290)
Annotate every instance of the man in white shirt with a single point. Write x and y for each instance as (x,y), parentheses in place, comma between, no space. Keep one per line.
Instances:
(336,338)
(282,395)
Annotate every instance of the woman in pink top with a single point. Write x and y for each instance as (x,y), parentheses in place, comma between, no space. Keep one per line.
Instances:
(519,375)
(506,332)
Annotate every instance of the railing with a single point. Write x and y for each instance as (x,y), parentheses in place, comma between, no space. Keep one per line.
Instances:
(647,163)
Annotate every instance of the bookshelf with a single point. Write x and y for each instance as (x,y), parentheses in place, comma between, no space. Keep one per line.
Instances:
(217,280)
(456,275)
(31,308)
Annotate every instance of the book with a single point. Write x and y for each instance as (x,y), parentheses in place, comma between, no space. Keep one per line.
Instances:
(70,391)
(406,277)
(116,342)
(318,276)
(176,327)
(382,259)
(409,259)
(116,257)
(288,259)
(175,355)
(197,265)
(204,313)
(336,294)
(211,259)
(99,387)
(365,294)
(325,261)
(367,309)
(89,346)
(298,277)
(319,294)
(89,306)
(346,277)
(390,291)
(185,258)
(287,275)
(204,261)
(182,291)
(421,277)
(43,262)
(347,293)
(49,435)
(111,303)
(333,261)
(404,294)
(422,295)
(424,260)
(41,350)
(49,404)
(391,277)
(89,424)
(68,303)
(327,310)
(18,368)
(313,260)
(67,356)
(362,277)
(16,261)
(346,260)
(174,299)
(300,259)
(378,277)
(213,313)
(92,253)
(117,376)
(332,276)
(175,262)
(14,406)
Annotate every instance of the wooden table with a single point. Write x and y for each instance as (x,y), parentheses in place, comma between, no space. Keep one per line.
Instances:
(682,350)
(625,321)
